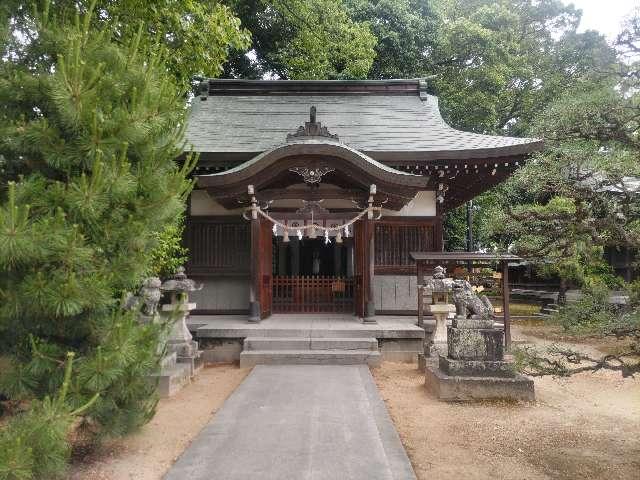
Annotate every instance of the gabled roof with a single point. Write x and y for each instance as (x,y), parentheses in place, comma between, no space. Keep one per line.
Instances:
(390,120)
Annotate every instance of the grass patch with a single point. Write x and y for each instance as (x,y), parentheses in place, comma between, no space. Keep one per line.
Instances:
(521,309)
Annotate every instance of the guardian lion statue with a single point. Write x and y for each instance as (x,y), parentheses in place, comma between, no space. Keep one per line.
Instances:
(468,303)
(150,294)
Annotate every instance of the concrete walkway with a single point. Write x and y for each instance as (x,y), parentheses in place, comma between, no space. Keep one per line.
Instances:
(299,422)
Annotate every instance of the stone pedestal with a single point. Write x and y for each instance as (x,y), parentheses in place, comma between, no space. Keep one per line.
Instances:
(180,341)
(474,367)
(438,338)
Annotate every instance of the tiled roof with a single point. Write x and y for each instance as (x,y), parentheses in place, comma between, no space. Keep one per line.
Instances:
(384,124)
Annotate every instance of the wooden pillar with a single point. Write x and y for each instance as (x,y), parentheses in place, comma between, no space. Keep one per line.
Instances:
(369,258)
(420,272)
(254,286)
(505,305)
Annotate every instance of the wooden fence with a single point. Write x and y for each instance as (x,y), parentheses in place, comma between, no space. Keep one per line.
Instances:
(313,294)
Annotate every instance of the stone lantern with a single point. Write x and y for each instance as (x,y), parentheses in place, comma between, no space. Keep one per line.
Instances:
(180,339)
(440,288)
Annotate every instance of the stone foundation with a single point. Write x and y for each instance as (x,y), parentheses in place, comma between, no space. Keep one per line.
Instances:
(476,368)
(400,350)
(459,389)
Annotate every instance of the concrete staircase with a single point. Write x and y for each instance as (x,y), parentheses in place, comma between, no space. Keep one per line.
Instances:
(310,351)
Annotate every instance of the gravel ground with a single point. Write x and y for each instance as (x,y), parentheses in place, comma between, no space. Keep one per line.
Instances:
(148,454)
(581,427)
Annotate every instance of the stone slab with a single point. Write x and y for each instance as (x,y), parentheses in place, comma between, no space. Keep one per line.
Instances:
(250,358)
(302,343)
(311,325)
(301,423)
(457,389)
(476,368)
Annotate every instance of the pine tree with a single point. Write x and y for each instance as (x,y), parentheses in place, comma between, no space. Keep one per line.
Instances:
(90,131)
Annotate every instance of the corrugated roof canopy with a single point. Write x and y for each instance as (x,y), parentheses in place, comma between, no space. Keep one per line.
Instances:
(387,120)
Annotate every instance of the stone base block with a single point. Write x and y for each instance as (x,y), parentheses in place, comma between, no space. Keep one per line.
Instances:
(459,389)
(422,362)
(195,363)
(171,380)
(476,368)
(400,349)
(169,360)
(222,350)
(475,344)
(437,348)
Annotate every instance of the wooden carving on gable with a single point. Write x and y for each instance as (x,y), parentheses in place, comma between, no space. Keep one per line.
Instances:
(312,128)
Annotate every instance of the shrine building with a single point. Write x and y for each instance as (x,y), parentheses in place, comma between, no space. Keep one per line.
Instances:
(310,195)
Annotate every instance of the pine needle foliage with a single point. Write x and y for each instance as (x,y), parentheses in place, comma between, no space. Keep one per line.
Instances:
(90,133)
(34,444)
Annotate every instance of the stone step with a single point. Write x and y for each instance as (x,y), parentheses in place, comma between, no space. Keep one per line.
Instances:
(336,331)
(250,358)
(549,311)
(297,343)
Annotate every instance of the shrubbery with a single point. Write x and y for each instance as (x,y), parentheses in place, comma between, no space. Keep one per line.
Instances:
(593,313)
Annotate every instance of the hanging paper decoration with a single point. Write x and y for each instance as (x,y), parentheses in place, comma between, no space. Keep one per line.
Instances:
(312,227)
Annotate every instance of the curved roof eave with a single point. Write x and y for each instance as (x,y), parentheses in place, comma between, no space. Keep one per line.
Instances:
(312,146)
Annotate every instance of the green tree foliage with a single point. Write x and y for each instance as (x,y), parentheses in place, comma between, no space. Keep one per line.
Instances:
(90,131)
(303,39)
(580,195)
(198,34)
(500,62)
(407,32)
(169,252)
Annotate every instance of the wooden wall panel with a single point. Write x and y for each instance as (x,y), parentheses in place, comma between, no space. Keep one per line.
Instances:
(396,238)
(217,245)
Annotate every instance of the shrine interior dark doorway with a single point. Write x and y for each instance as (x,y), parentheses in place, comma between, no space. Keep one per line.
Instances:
(310,275)
(312,256)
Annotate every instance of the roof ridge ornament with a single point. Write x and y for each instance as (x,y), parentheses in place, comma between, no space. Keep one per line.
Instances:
(312,128)
(423,87)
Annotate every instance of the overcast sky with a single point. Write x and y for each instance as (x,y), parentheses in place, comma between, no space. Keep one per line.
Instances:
(604,15)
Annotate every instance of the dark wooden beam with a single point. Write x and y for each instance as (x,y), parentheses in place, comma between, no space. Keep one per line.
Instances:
(311,194)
